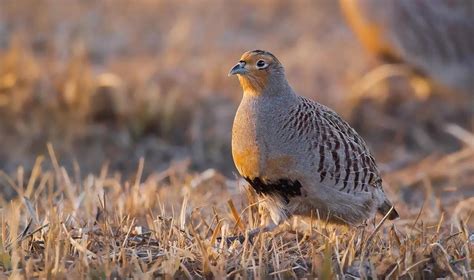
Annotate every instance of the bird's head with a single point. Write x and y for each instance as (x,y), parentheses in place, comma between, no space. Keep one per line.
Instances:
(257,71)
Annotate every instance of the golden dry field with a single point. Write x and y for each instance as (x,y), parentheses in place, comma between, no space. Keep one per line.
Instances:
(115,162)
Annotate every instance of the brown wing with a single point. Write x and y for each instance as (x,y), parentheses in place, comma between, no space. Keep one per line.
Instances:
(434,36)
(342,156)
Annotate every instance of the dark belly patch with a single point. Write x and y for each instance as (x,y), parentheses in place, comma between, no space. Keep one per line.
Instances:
(284,187)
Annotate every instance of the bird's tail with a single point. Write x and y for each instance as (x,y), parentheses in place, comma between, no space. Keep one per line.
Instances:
(385,208)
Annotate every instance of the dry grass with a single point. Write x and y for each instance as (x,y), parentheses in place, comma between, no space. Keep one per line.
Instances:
(135,100)
(168,225)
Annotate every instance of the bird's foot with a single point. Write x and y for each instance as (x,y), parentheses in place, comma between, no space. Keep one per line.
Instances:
(229,240)
(250,235)
(242,237)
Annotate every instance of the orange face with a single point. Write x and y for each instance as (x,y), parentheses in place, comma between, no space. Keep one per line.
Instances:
(253,70)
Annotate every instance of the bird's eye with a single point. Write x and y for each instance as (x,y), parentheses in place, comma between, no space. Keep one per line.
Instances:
(261,64)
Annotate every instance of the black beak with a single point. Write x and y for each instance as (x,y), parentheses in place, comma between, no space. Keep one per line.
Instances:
(239,68)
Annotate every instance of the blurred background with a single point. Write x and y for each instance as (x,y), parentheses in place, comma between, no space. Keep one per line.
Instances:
(109,82)
(101,85)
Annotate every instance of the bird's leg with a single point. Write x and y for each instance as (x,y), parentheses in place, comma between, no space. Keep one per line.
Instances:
(270,227)
(250,234)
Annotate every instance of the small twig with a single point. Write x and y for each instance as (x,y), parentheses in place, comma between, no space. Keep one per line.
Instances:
(379,225)
(21,238)
(419,214)
(76,244)
(124,243)
(415,265)
(236,215)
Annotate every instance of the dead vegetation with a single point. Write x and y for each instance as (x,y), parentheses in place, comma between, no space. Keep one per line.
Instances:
(169,223)
(135,101)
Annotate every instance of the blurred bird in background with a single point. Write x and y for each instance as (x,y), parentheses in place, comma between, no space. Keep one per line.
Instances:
(299,156)
(434,37)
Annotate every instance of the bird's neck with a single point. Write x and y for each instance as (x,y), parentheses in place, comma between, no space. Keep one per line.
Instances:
(252,85)
(256,86)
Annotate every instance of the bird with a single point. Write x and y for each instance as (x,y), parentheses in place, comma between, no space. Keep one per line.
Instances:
(434,37)
(300,157)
